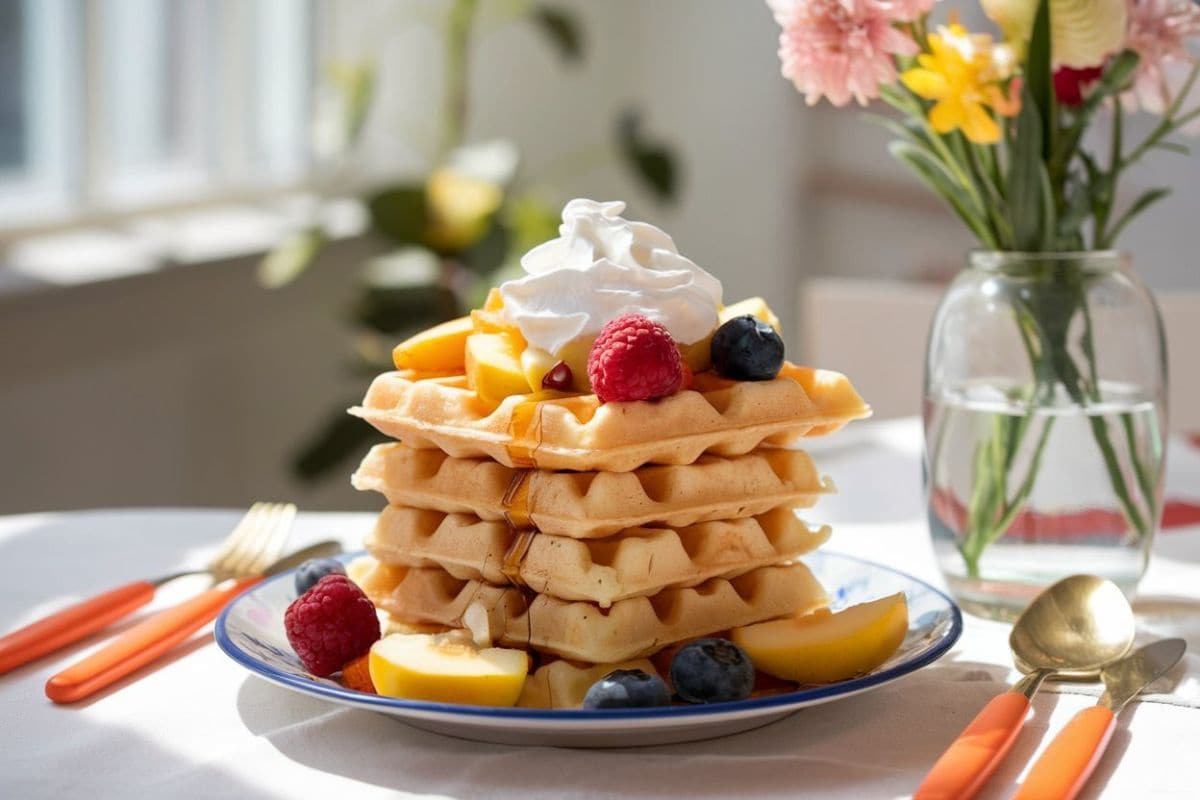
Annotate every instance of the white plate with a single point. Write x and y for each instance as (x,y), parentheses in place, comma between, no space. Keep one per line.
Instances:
(250,631)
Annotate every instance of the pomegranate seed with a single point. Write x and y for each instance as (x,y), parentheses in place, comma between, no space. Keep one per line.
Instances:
(559,377)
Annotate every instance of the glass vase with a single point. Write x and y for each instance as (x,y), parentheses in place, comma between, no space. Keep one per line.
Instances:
(1045,422)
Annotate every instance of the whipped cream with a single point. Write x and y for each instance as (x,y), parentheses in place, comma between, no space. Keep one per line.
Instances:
(603,266)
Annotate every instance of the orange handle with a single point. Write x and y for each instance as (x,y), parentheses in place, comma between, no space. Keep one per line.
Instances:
(1065,766)
(72,624)
(969,762)
(141,644)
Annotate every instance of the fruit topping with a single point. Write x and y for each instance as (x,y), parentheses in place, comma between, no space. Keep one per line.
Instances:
(439,349)
(824,646)
(754,306)
(747,349)
(493,365)
(712,671)
(634,359)
(356,675)
(558,378)
(446,668)
(627,688)
(331,624)
(311,571)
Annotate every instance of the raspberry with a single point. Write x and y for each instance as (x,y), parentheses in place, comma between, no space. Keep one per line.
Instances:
(331,624)
(634,358)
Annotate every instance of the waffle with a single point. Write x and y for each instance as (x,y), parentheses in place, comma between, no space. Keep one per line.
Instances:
(633,563)
(586,505)
(580,631)
(717,416)
(562,684)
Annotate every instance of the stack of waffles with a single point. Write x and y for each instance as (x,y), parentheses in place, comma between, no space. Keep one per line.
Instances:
(596,534)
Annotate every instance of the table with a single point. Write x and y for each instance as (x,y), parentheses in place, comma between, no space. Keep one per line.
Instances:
(200,727)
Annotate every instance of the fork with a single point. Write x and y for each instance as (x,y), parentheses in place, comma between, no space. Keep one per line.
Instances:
(255,542)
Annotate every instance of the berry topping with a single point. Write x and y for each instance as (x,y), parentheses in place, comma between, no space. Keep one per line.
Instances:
(634,359)
(747,349)
(627,688)
(311,571)
(712,671)
(558,378)
(330,624)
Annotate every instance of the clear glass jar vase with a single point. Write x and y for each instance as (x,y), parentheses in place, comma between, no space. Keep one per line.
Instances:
(1045,423)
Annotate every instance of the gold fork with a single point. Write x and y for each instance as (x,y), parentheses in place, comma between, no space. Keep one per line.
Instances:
(255,542)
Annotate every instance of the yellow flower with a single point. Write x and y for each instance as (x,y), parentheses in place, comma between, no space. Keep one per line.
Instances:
(963,74)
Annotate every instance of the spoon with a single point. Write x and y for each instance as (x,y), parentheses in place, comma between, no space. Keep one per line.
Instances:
(1071,630)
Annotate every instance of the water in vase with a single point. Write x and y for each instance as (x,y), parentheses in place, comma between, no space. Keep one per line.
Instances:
(1020,495)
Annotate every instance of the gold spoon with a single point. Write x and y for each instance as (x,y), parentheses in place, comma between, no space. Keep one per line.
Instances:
(1070,631)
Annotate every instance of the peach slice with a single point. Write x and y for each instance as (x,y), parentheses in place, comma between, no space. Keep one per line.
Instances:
(440,349)
(825,646)
(447,669)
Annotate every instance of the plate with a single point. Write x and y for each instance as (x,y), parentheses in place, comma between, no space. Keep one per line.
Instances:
(250,631)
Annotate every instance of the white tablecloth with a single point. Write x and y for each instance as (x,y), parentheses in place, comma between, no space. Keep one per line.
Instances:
(200,727)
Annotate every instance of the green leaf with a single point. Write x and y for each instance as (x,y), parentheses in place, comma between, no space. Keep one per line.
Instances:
(337,443)
(290,257)
(1143,201)
(1039,76)
(357,84)
(652,162)
(400,213)
(931,170)
(1025,177)
(562,29)
(489,251)
(398,310)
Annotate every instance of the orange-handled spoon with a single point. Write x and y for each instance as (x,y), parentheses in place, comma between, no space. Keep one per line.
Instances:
(1071,629)
(1066,764)
(154,636)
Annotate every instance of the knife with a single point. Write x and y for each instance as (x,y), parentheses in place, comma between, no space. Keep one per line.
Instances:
(1065,766)
(154,636)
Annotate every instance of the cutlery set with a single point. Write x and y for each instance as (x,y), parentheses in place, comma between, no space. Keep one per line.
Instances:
(249,554)
(1080,628)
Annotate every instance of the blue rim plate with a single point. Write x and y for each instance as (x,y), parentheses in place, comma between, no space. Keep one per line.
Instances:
(250,631)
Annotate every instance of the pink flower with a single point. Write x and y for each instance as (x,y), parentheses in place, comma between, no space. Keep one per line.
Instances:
(1159,32)
(843,49)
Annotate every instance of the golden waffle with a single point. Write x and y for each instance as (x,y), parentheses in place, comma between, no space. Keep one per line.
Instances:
(585,505)
(562,684)
(580,631)
(716,416)
(635,562)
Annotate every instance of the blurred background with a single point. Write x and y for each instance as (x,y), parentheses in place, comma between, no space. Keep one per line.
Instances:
(217,216)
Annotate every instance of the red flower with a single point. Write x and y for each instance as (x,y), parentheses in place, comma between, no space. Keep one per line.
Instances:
(1070,84)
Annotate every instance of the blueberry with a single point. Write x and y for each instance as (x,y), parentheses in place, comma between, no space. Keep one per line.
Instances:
(712,671)
(747,349)
(627,688)
(311,571)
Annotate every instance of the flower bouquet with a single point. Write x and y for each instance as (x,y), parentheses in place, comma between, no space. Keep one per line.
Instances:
(1045,379)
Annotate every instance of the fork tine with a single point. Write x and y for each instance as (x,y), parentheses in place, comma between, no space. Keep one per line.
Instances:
(244,528)
(264,546)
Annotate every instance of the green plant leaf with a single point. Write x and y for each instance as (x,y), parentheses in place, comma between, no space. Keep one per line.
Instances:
(335,444)
(1039,77)
(931,170)
(654,163)
(400,213)
(288,259)
(1025,178)
(1143,201)
(561,28)
(357,85)
(489,251)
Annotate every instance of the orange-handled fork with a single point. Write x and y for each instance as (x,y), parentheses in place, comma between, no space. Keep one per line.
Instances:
(255,542)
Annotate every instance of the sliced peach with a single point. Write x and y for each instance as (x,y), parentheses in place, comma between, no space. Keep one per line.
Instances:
(439,349)
(754,306)
(825,646)
(494,366)
(447,669)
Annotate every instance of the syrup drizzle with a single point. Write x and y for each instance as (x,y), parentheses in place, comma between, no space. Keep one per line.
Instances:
(525,432)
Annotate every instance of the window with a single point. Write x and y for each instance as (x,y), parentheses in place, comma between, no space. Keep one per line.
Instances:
(120,105)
